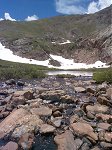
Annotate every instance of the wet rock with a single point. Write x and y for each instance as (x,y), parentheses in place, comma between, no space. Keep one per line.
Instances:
(26,141)
(10,146)
(65,141)
(46,128)
(83,129)
(97,108)
(42,111)
(79,89)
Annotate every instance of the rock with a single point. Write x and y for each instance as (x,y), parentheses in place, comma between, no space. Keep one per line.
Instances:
(15,101)
(26,94)
(45,128)
(57,114)
(53,95)
(78,143)
(103,126)
(10,82)
(109,92)
(104,117)
(105,136)
(90,89)
(104,101)
(108,136)
(90,115)
(79,89)
(97,108)
(84,129)
(96,148)
(67,99)
(85,146)
(20,83)
(56,121)
(42,111)
(26,141)
(10,146)
(74,119)
(19,121)
(28,124)
(10,122)
(105,145)
(65,141)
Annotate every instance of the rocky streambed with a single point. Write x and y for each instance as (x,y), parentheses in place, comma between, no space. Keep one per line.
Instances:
(55,114)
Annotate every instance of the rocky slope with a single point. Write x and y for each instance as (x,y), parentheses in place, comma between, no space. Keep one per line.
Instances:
(89,35)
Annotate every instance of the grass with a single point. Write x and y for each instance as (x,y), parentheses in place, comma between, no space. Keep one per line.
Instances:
(103,75)
(14,70)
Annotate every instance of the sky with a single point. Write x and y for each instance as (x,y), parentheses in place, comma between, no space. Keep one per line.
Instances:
(28,10)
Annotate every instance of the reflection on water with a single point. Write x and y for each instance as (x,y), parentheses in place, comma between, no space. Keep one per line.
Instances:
(76,73)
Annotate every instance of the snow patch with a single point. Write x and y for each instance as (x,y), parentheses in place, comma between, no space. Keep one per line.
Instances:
(68,41)
(7,54)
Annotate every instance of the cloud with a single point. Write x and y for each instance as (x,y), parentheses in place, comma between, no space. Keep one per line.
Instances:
(99,5)
(69,7)
(31,18)
(78,6)
(1,19)
(8,17)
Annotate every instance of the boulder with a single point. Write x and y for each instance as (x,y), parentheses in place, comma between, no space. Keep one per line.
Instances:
(10,146)
(104,101)
(65,141)
(79,89)
(83,129)
(42,111)
(20,121)
(10,122)
(28,94)
(52,95)
(103,126)
(97,108)
(26,141)
(46,128)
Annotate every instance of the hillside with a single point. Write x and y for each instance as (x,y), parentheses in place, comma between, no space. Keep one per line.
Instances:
(89,37)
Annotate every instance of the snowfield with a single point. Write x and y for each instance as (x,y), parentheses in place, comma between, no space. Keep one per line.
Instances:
(7,54)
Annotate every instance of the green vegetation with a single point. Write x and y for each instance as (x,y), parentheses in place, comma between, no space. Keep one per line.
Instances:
(103,75)
(10,70)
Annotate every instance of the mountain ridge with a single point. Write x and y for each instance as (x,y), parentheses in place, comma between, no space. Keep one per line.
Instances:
(89,35)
